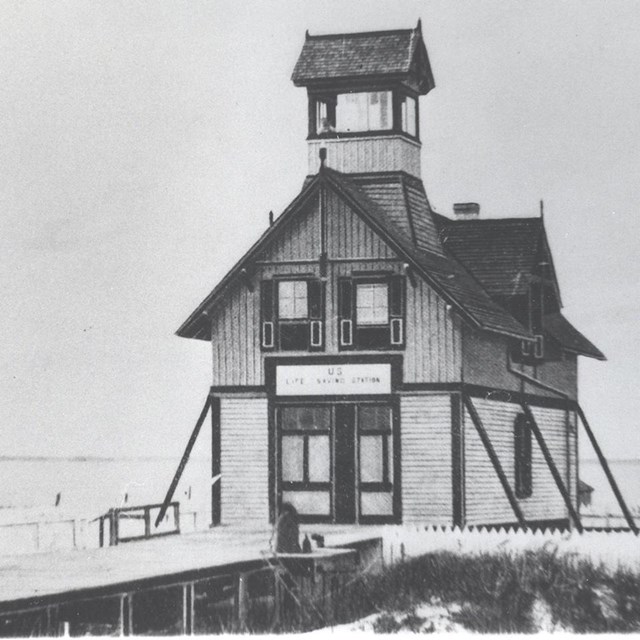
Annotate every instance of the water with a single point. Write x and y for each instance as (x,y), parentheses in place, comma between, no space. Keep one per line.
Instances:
(89,487)
(627,476)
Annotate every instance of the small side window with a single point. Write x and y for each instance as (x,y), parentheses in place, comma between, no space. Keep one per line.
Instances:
(523,457)
(409,121)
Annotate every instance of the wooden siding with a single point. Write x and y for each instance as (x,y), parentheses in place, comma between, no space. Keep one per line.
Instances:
(434,350)
(426,459)
(486,502)
(244,461)
(367,154)
(349,237)
(572,444)
(433,346)
(485,363)
(300,239)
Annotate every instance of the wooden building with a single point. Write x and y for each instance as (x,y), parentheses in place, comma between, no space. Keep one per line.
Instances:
(374,361)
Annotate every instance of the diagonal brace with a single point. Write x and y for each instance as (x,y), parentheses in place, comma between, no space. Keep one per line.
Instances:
(475,418)
(183,461)
(552,466)
(607,471)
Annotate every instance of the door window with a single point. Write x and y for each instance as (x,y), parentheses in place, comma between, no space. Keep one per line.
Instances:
(336,461)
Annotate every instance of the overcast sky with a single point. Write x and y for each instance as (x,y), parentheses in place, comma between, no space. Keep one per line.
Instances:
(144,143)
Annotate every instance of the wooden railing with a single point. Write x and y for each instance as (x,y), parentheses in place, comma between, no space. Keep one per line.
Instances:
(118,519)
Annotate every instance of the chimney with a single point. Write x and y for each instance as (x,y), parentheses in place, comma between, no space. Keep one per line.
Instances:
(466,210)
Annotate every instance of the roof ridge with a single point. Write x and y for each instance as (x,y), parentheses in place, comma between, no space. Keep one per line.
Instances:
(357,34)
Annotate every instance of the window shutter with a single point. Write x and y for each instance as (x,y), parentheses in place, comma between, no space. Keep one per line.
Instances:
(345,313)
(315,292)
(267,314)
(396,310)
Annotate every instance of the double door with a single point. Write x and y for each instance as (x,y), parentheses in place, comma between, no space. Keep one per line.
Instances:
(335,461)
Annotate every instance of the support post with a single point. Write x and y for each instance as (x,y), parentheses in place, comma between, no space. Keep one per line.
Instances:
(183,461)
(605,466)
(475,418)
(457,461)
(552,466)
(126,618)
(187,609)
(216,515)
(242,602)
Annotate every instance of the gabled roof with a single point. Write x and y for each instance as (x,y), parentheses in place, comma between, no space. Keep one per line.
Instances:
(569,337)
(501,253)
(448,278)
(357,55)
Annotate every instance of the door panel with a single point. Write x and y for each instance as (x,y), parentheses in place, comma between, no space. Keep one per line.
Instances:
(345,465)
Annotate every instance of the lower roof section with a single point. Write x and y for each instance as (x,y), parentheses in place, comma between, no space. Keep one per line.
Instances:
(569,337)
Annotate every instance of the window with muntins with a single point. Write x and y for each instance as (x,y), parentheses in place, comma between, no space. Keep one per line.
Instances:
(523,457)
(365,111)
(371,313)
(292,313)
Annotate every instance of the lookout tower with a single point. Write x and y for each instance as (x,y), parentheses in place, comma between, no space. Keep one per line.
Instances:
(364,91)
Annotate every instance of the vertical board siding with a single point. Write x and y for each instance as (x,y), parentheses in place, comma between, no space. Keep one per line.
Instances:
(366,155)
(433,342)
(572,474)
(244,461)
(299,239)
(486,500)
(348,236)
(426,459)
(433,347)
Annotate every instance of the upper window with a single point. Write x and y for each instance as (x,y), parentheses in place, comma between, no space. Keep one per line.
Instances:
(408,116)
(366,111)
(372,303)
(292,315)
(293,299)
(371,313)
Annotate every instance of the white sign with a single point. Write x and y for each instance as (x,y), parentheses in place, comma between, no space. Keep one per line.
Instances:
(332,379)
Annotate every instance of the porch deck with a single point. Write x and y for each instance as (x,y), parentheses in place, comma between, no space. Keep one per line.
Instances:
(43,578)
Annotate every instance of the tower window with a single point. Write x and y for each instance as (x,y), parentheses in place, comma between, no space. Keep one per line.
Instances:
(409,116)
(367,111)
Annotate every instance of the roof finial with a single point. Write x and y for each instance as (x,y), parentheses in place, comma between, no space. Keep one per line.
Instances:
(306,34)
(270,218)
(542,209)
(419,27)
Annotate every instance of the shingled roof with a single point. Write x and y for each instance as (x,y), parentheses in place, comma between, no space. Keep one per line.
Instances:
(500,253)
(353,55)
(569,337)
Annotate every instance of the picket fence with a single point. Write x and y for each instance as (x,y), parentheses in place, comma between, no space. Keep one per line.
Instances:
(613,549)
